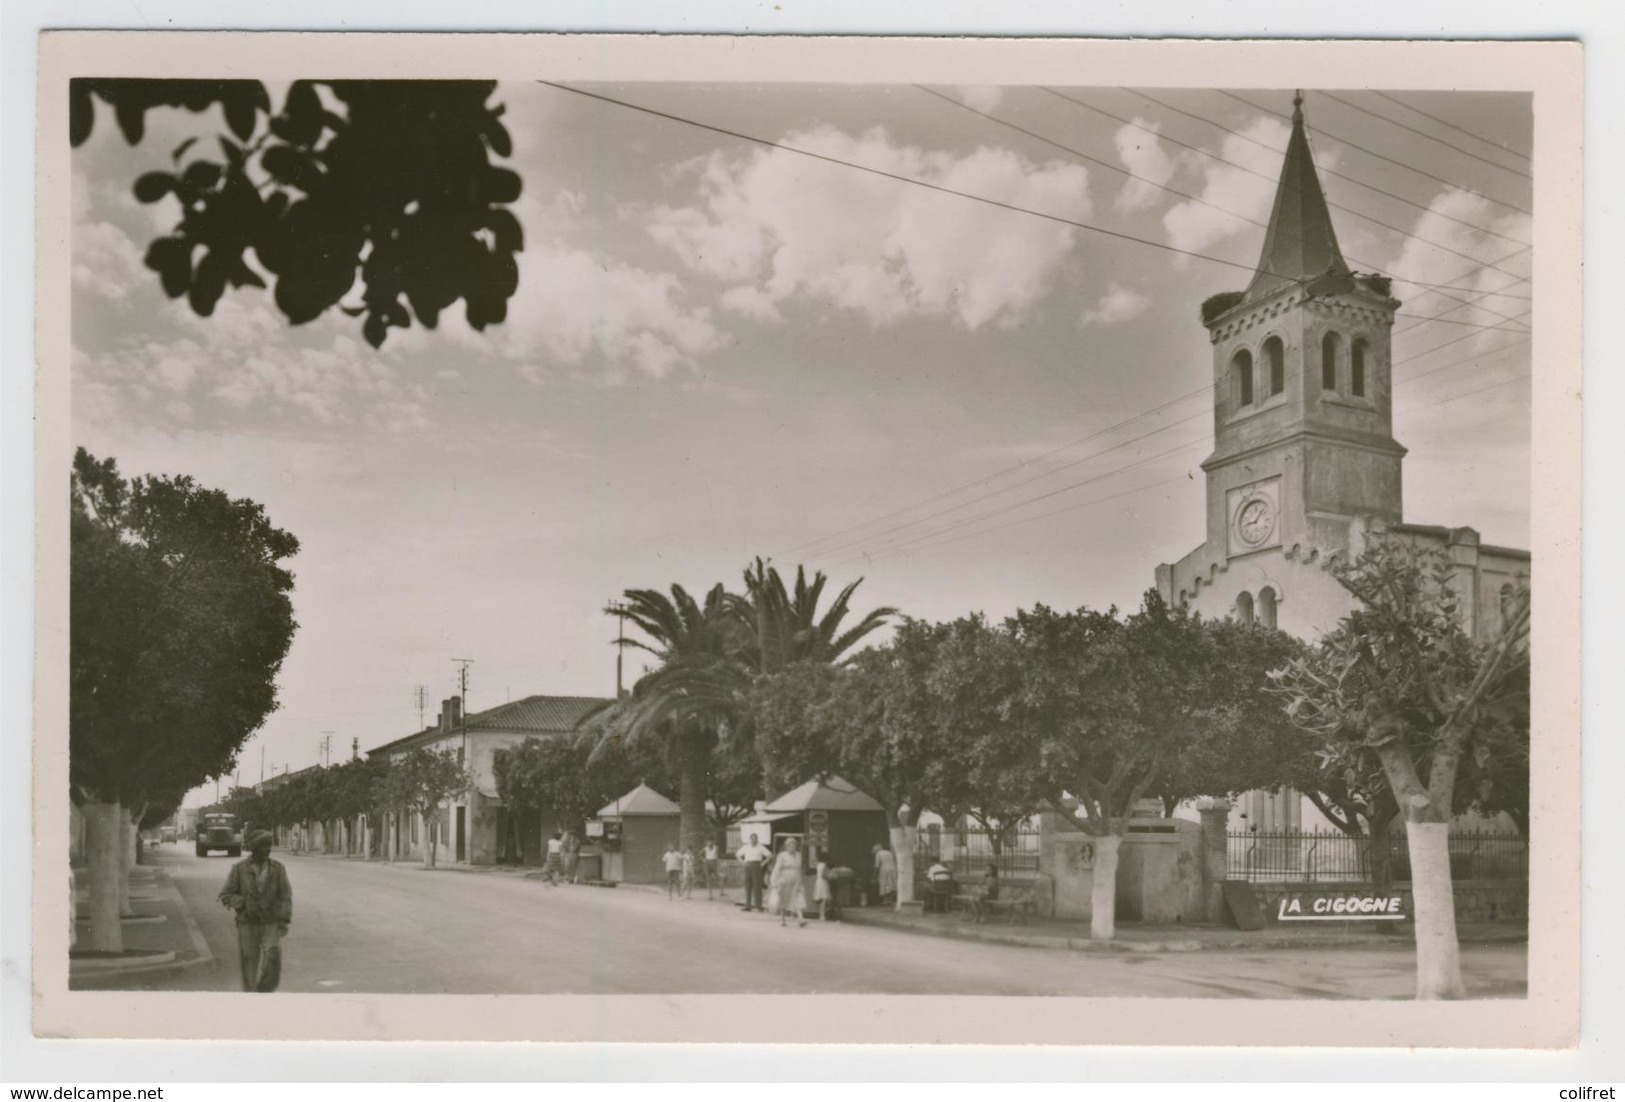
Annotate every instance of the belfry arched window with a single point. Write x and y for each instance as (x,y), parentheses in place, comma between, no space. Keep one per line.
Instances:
(1266,606)
(1328,361)
(1275,361)
(1244,607)
(1357,358)
(1241,369)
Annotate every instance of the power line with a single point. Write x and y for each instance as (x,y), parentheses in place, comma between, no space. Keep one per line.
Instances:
(769,143)
(1264,176)
(1458,129)
(1201,413)
(911,540)
(1464,305)
(1425,134)
(929,543)
(1385,157)
(995,475)
(1436,288)
(1465,359)
(1328,171)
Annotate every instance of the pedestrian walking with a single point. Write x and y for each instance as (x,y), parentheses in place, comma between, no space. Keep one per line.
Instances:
(673,859)
(753,855)
(712,856)
(554,868)
(257,889)
(787,888)
(885,873)
(688,874)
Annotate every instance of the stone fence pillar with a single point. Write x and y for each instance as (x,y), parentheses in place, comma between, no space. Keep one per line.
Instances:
(1215,815)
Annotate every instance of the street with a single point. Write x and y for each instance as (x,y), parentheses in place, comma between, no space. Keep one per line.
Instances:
(378,928)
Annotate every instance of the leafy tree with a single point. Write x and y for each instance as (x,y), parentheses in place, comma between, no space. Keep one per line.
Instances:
(379,198)
(420,781)
(974,678)
(179,619)
(873,721)
(1400,679)
(1114,709)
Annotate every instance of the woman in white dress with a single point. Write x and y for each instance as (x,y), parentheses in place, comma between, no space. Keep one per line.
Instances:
(787,888)
(821,892)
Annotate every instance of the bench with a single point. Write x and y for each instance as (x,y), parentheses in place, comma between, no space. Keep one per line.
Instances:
(1018,903)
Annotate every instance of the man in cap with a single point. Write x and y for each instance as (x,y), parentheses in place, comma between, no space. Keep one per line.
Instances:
(257,889)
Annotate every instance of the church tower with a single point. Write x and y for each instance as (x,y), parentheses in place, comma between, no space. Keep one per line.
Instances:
(1304,455)
(1302,391)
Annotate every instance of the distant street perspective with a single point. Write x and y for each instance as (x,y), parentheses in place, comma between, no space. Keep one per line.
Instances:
(398,929)
(556,538)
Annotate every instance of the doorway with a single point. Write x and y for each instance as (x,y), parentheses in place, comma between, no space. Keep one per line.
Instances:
(461,852)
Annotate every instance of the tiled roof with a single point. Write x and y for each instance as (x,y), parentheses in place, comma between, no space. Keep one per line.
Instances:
(542,714)
(539,713)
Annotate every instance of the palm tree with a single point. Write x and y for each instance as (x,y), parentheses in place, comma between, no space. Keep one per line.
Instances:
(704,654)
(787,625)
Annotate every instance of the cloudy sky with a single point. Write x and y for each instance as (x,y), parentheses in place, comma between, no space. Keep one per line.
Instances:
(721,350)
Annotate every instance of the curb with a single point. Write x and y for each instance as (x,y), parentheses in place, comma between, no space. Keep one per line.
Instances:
(1169,945)
(138,960)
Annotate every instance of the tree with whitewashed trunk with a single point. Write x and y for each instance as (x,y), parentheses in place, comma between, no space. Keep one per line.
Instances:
(420,781)
(179,619)
(1400,678)
(1113,709)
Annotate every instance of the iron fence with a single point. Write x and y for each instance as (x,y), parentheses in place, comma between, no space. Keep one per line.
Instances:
(1331,855)
(971,850)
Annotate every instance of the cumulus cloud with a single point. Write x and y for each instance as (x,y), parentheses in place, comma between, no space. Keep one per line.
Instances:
(574,306)
(1227,190)
(106,263)
(981,97)
(1142,153)
(777,225)
(1118,304)
(1428,263)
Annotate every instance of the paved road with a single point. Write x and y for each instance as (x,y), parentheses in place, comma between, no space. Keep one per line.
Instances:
(376,928)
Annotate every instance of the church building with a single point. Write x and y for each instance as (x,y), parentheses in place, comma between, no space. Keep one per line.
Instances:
(1305,465)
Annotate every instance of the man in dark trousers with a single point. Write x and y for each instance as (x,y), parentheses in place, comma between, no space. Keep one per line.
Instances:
(258,890)
(753,855)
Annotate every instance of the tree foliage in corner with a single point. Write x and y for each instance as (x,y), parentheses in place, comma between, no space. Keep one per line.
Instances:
(379,198)
(179,620)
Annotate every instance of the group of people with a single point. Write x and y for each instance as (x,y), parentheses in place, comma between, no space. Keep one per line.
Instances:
(683,868)
(782,877)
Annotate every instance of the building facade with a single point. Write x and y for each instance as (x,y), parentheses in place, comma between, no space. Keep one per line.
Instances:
(1305,466)
(475,828)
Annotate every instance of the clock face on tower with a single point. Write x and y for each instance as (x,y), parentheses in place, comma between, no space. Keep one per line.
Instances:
(1254,516)
(1255,521)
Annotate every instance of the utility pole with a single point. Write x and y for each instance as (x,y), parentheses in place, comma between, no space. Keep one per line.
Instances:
(355,748)
(462,680)
(420,696)
(262,763)
(327,747)
(619,610)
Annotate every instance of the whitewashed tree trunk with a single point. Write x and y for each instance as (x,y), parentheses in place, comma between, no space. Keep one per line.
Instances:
(430,822)
(1103,888)
(126,845)
(903,838)
(1438,954)
(106,873)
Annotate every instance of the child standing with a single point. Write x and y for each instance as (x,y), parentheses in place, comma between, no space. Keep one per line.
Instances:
(673,860)
(821,892)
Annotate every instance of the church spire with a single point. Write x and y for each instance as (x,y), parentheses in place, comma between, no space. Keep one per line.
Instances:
(1300,243)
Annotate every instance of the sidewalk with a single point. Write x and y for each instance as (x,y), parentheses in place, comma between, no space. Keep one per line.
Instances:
(162,935)
(1049,933)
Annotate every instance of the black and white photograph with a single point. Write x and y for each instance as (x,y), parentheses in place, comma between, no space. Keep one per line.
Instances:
(626,536)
